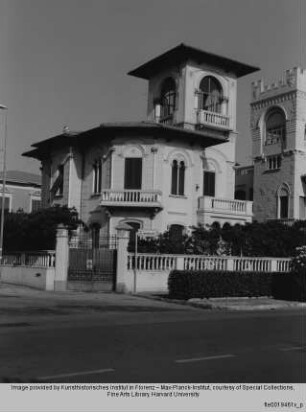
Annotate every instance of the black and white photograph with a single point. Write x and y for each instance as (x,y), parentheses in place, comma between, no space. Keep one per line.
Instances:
(152,205)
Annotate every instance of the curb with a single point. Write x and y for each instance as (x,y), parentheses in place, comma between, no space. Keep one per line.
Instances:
(222,307)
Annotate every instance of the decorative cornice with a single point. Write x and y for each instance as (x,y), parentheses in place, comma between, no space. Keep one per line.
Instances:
(273,100)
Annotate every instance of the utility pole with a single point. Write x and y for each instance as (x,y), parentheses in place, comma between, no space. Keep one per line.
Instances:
(3,139)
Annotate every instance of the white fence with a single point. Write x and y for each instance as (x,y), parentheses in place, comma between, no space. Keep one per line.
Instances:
(33,269)
(152,262)
(149,272)
(41,259)
(155,262)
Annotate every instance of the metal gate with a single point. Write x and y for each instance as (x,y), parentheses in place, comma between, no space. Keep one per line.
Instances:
(92,269)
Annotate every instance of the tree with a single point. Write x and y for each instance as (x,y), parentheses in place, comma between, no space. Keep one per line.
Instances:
(37,230)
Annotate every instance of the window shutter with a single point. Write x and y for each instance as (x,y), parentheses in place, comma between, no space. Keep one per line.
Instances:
(133,173)
(209,184)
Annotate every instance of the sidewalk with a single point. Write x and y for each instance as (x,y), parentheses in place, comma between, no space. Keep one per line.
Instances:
(21,300)
(234,304)
(21,304)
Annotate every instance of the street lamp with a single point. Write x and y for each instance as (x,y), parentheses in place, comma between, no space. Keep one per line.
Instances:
(3,150)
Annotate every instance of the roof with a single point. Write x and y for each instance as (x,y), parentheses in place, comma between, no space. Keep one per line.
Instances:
(124,129)
(22,178)
(182,53)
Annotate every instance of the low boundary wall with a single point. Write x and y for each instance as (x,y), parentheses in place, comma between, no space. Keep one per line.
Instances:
(35,277)
(149,272)
(33,269)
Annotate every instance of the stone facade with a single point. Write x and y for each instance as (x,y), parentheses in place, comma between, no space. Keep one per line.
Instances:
(197,138)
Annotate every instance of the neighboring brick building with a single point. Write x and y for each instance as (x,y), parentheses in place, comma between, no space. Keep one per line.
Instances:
(22,191)
(278,125)
(174,170)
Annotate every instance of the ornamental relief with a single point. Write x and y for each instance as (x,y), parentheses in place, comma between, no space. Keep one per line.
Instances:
(254,120)
(302,94)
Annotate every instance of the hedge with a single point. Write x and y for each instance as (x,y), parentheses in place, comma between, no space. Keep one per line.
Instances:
(212,284)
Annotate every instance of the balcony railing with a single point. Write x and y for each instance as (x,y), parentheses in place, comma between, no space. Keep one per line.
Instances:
(235,207)
(140,198)
(213,119)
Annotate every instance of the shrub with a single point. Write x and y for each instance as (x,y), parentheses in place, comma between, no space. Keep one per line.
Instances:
(212,284)
(37,230)
(298,262)
(253,239)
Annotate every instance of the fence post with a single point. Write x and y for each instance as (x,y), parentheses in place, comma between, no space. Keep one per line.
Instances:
(180,262)
(123,237)
(274,265)
(230,264)
(23,259)
(62,258)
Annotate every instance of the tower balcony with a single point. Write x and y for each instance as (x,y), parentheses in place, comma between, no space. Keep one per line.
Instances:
(212,119)
(211,209)
(131,198)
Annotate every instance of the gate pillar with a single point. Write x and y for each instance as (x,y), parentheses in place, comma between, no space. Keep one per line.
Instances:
(122,256)
(62,258)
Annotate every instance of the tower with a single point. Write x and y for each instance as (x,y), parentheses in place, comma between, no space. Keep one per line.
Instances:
(278,120)
(196,90)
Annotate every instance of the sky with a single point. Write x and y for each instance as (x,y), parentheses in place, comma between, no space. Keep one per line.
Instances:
(64,63)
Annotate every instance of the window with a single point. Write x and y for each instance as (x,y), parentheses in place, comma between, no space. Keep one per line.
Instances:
(284,206)
(302,207)
(168,97)
(7,203)
(209,184)
(57,188)
(274,162)
(97,177)
(133,173)
(240,194)
(35,204)
(283,203)
(60,178)
(276,127)
(178,178)
(211,95)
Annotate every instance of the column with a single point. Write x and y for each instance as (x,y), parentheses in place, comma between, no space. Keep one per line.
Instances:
(62,259)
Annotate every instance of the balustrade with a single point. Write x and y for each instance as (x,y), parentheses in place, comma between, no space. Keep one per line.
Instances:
(147,198)
(155,262)
(231,206)
(152,262)
(33,259)
(212,118)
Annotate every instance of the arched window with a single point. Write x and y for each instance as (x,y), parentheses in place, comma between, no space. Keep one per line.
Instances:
(209,183)
(168,97)
(276,127)
(178,178)
(283,203)
(97,177)
(211,95)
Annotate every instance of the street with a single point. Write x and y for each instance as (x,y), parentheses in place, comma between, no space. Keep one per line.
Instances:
(116,338)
